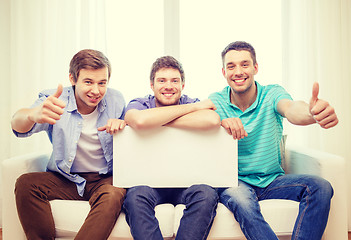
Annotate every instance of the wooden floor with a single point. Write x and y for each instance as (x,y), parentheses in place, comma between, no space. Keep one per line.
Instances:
(1,234)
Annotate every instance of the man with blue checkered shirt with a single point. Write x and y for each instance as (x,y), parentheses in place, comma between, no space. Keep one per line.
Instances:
(254,114)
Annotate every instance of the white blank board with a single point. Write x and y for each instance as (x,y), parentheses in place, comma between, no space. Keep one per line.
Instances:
(171,157)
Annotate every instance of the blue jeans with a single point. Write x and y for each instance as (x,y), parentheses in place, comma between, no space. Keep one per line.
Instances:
(313,193)
(200,201)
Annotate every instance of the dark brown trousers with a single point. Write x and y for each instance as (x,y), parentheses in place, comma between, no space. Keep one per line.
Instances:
(34,191)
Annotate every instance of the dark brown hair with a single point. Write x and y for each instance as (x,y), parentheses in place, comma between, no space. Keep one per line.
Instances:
(240,46)
(166,62)
(88,59)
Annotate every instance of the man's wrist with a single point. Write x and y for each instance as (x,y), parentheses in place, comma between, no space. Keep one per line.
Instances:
(30,119)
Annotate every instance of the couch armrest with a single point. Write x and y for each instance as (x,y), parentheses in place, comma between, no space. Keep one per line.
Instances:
(12,168)
(301,160)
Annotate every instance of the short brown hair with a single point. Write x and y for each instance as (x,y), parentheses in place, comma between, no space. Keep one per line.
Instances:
(240,46)
(88,59)
(166,62)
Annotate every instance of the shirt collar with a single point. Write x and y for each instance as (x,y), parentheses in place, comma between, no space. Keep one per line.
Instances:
(254,105)
(72,104)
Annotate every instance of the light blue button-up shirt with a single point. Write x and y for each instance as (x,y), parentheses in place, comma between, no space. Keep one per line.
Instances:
(65,133)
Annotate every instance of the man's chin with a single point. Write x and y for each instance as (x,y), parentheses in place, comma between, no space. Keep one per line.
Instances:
(168,102)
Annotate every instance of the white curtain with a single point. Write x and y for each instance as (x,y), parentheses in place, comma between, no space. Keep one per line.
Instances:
(317,47)
(44,37)
(38,39)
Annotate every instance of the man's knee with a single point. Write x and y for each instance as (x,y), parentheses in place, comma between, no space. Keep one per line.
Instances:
(117,195)
(140,199)
(323,188)
(109,195)
(240,198)
(140,193)
(203,193)
(25,184)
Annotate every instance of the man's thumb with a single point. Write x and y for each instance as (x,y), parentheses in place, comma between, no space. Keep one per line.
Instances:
(315,92)
(58,92)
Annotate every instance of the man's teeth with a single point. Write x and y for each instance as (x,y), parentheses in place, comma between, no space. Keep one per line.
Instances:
(168,94)
(239,80)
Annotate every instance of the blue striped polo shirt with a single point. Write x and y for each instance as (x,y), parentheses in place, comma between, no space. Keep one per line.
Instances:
(259,159)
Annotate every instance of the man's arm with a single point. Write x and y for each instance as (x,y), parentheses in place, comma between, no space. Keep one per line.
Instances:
(48,112)
(301,113)
(198,115)
(201,119)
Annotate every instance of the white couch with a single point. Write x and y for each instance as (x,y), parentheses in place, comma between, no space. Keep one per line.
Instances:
(280,214)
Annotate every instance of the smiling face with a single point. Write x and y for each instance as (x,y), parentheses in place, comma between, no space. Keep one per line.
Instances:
(90,88)
(239,71)
(167,87)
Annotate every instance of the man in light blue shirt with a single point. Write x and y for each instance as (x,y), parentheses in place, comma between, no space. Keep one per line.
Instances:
(79,121)
(254,114)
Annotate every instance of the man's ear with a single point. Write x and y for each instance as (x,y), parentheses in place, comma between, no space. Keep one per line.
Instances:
(223,72)
(71,79)
(256,68)
(152,85)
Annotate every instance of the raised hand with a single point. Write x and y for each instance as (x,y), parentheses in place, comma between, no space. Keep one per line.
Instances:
(234,127)
(113,126)
(322,112)
(50,110)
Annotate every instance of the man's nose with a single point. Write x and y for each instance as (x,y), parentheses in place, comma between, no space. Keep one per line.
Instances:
(238,71)
(95,88)
(168,85)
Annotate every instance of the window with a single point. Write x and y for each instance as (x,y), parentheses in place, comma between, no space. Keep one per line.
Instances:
(193,31)
(207,27)
(134,39)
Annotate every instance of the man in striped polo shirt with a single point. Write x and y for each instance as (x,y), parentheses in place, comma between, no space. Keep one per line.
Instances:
(254,114)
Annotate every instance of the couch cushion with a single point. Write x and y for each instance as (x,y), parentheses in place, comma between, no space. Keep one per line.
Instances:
(280,214)
(67,227)
(69,216)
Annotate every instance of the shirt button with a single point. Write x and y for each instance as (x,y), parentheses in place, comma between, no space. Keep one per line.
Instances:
(70,160)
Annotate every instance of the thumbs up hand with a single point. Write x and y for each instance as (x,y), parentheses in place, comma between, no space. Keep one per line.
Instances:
(50,110)
(321,111)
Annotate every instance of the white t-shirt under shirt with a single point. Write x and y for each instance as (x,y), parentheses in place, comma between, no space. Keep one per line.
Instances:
(89,156)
